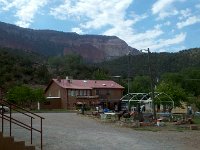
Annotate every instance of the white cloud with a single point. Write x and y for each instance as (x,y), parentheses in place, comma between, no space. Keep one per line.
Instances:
(148,39)
(185,14)
(3,2)
(25,9)
(163,43)
(152,39)
(165,8)
(189,21)
(77,30)
(161,5)
(197,6)
(95,14)
(167,23)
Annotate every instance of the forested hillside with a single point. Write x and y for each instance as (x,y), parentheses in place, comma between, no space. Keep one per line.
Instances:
(25,67)
(160,63)
(18,67)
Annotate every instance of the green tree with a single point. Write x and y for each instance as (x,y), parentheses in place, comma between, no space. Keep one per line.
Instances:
(173,77)
(100,74)
(176,92)
(70,65)
(42,74)
(192,85)
(37,95)
(25,96)
(19,94)
(192,81)
(141,84)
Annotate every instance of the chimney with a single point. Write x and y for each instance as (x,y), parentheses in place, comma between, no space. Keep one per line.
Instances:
(58,78)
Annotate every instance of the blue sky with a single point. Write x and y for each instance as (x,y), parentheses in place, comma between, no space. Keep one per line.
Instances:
(161,25)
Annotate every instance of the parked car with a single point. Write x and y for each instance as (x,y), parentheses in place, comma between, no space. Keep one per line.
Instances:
(4,109)
(197,113)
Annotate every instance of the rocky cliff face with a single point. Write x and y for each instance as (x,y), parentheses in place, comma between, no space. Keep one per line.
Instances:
(94,48)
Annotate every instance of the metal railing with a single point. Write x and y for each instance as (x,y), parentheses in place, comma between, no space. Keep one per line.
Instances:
(12,120)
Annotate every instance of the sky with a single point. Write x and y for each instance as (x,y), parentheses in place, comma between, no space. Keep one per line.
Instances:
(161,25)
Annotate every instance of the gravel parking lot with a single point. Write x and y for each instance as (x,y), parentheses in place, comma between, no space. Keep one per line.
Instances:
(69,131)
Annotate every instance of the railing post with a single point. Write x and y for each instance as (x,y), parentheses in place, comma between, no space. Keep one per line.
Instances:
(10,120)
(31,130)
(41,133)
(2,119)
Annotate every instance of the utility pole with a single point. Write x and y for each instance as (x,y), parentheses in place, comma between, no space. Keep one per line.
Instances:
(152,83)
(129,53)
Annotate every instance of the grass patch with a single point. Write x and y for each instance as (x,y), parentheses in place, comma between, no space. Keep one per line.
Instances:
(52,111)
(147,129)
(179,129)
(197,120)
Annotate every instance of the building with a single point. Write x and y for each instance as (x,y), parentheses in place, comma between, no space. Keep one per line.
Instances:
(69,93)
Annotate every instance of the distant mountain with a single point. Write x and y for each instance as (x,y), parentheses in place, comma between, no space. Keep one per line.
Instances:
(95,48)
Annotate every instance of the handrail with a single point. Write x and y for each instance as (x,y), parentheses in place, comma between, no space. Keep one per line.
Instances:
(17,122)
(21,124)
(9,103)
(24,113)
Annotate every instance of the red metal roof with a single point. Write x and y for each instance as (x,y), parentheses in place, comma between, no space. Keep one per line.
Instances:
(87,84)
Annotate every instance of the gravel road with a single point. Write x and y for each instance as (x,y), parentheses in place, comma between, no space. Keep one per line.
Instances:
(69,131)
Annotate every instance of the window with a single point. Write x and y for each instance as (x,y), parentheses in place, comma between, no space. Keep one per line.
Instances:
(77,92)
(69,92)
(72,92)
(85,92)
(88,92)
(97,92)
(81,92)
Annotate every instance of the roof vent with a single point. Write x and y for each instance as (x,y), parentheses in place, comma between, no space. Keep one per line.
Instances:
(69,81)
(84,81)
(104,84)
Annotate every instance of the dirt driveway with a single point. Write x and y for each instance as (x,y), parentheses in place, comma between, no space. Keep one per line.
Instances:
(69,131)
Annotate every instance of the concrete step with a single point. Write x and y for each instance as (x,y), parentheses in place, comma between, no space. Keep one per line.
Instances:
(8,143)
(8,140)
(1,134)
(1,137)
(19,145)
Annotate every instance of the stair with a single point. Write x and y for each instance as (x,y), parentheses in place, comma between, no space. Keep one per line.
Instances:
(8,143)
